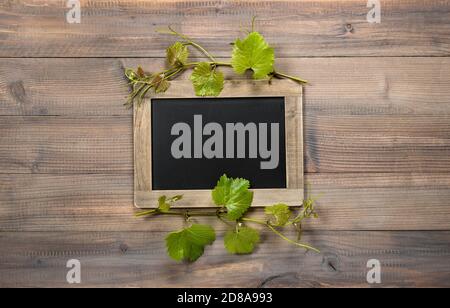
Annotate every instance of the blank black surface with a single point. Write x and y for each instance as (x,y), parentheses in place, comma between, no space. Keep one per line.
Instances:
(169,173)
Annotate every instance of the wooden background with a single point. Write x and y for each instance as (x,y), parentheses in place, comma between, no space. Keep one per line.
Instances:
(377,141)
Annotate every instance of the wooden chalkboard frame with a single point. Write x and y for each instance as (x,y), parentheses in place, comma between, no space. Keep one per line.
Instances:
(145,197)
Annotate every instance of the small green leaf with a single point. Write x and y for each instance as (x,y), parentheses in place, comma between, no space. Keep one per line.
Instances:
(189,244)
(253,53)
(175,198)
(160,84)
(234,194)
(206,80)
(281,212)
(131,74)
(162,87)
(177,54)
(241,241)
(140,72)
(163,205)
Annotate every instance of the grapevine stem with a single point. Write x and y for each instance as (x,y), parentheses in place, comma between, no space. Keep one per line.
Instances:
(175,73)
(173,213)
(202,50)
(191,42)
(264,223)
(259,222)
(186,214)
(278,74)
(218,215)
(224,221)
(307,247)
(215,62)
(146,213)
(188,65)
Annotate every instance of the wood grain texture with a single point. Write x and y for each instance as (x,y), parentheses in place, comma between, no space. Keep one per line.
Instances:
(61,145)
(122,28)
(39,202)
(377,140)
(355,143)
(137,259)
(338,86)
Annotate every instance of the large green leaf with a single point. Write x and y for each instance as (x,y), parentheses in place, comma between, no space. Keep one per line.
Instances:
(206,80)
(241,241)
(281,212)
(189,244)
(234,194)
(177,54)
(253,53)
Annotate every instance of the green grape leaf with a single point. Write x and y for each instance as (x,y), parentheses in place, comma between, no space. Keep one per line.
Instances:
(189,244)
(140,72)
(131,74)
(177,54)
(238,205)
(206,80)
(226,187)
(281,212)
(162,87)
(160,84)
(233,194)
(253,53)
(163,205)
(241,241)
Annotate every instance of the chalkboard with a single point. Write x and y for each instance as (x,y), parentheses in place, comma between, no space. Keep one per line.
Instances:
(223,136)
(184,143)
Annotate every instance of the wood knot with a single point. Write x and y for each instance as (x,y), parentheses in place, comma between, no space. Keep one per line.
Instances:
(349,28)
(331,262)
(39,262)
(35,167)
(123,247)
(17,91)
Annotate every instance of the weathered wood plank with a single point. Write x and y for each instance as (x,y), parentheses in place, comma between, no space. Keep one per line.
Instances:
(377,144)
(136,259)
(59,145)
(39,202)
(338,86)
(296,28)
(332,144)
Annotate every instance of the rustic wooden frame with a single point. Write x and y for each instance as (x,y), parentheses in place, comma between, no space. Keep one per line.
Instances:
(145,197)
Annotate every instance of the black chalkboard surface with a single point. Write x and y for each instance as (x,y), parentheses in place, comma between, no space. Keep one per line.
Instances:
(196,140)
